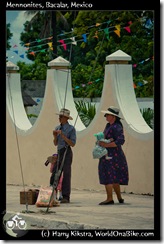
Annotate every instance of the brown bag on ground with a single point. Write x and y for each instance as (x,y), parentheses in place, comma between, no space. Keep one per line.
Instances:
(44,197)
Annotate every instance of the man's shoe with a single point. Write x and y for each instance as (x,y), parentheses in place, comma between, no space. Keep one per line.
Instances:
(106,203)
(64,200)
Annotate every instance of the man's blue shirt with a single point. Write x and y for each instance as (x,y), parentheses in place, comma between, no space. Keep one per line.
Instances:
(69,131)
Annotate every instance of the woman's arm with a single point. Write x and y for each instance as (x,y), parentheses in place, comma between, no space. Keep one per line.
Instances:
(110,144)
(118,136)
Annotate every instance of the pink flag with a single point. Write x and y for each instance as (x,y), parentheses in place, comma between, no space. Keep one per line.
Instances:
(127,29)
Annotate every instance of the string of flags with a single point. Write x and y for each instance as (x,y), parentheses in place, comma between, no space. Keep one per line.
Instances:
(71,40)
(63,42)
(85,85)
(39,47)
(139,84)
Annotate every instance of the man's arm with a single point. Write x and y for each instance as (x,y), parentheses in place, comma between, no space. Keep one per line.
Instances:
(68,141)
(55,137)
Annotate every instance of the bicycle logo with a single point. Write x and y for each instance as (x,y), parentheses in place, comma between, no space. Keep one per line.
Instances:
(16,222)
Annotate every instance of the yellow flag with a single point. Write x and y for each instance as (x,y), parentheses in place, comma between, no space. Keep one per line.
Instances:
(49,44)
(117,32)
(117,27)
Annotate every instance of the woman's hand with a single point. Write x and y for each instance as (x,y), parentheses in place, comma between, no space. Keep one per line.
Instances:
(102,144)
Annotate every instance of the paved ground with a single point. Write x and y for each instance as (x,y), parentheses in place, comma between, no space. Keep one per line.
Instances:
(84,212)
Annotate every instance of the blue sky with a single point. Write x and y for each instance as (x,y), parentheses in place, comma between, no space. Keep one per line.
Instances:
(16,20)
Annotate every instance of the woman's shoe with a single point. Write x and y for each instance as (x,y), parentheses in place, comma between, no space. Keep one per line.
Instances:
(106,203)
(121,200)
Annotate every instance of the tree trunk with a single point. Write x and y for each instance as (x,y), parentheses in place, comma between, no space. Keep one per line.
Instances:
(54,40)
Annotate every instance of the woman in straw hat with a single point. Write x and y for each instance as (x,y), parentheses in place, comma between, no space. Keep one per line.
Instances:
(113,172)
(64,138)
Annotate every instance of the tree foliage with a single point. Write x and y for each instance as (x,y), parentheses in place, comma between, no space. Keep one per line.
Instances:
(86,111)
(9,36)
(88,59)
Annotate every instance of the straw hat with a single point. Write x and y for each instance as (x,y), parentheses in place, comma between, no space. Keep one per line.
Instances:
(65,112)
(112,110)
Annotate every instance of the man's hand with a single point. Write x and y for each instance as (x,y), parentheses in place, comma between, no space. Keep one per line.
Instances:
(57,132)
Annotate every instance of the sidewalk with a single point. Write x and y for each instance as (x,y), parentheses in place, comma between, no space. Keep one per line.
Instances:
(83,212)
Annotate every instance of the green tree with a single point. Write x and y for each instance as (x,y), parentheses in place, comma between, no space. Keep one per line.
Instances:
(9,36)
(138,43)
(86,111)
(35,71)
(44,23)
(88,58)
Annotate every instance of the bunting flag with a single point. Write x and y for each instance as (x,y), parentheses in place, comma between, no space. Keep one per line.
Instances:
(63,44)
(117,32)
(96,35)
(15,46)
(97,24)
(140,83)
(85,37)
(74,43)
(127,29)
(16,51)
(50,44)
(73,40)
(43,51)
(32,53)
(39,40)
(117,27)
(148,23)
(21,56)
(145,82)
(106,30)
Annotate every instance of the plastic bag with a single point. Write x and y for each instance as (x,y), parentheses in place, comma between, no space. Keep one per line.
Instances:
(44,197)
(99,152)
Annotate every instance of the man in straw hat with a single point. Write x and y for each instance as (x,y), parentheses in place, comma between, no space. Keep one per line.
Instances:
(113,172)
(64,138)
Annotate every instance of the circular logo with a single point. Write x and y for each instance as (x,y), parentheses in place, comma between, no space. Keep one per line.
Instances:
(15,225)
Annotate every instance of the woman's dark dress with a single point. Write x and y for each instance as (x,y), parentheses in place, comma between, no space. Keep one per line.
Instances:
(114,170)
